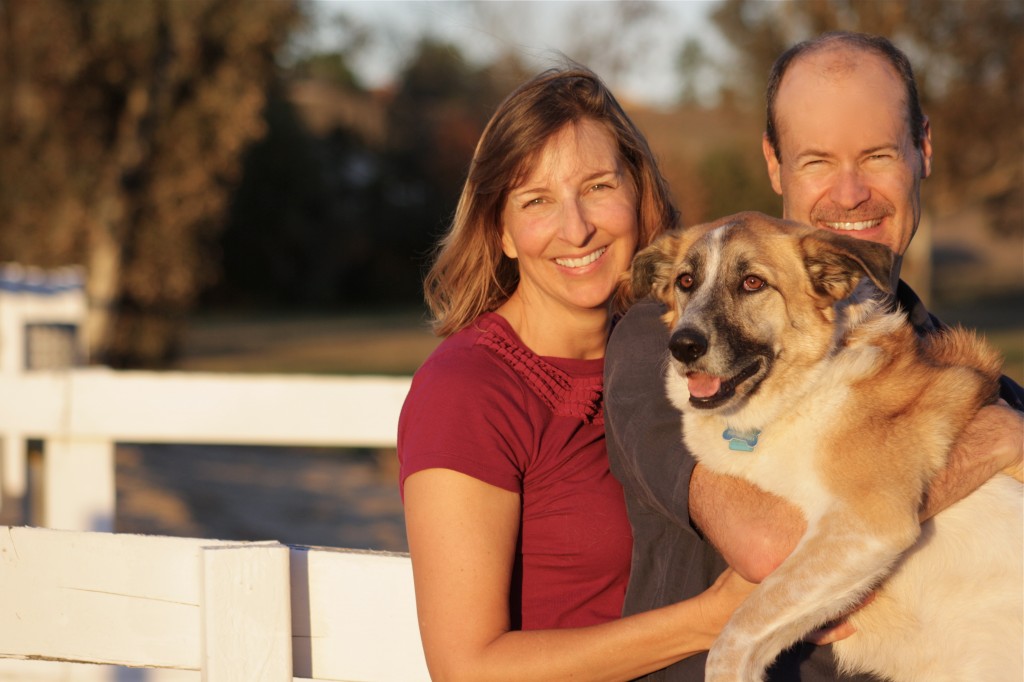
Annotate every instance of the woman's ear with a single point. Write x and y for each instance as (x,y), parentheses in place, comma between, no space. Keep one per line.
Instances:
(508,245)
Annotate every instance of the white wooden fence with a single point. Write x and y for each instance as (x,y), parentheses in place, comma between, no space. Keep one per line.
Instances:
(182,609)
(195,609)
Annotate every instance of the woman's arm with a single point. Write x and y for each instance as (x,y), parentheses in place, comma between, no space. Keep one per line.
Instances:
(462,539)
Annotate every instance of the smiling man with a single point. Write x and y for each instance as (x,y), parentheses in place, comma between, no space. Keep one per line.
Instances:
(847,146)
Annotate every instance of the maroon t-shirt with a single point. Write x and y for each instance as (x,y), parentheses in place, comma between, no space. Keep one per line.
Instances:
(485,405)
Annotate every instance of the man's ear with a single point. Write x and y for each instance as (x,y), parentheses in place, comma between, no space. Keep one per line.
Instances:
(772,161)
(926,149)
(837,263)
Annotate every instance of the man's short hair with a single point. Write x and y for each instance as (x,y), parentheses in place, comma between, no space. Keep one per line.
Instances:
(862,41)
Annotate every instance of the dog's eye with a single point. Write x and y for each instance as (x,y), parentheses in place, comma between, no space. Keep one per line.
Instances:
(752,283)
(684,281)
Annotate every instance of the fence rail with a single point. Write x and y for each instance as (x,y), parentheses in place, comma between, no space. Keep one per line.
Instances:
(80,414)
(227,611)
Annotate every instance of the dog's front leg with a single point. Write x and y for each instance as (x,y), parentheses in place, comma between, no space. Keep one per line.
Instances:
(839,560)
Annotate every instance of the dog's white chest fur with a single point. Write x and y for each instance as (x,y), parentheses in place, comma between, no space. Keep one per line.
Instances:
(792,443)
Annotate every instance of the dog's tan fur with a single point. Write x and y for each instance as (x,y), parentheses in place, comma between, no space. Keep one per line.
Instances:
(856,414)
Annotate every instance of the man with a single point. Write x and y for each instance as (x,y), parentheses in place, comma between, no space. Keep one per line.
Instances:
(847,148)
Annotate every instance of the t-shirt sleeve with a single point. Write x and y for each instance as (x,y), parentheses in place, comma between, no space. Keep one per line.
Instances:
(644,429)
(464,413)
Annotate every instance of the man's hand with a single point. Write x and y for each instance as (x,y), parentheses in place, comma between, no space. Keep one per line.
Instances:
(992,443)
(838,629)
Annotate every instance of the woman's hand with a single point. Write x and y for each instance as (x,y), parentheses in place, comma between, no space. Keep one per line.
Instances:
(722,598)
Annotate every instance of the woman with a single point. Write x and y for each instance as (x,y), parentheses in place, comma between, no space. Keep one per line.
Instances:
(517,530)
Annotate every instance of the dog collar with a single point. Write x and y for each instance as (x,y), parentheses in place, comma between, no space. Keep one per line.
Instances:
(743,442)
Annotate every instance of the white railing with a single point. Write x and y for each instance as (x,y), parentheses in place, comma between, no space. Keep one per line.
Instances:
(80,414)
(194,609)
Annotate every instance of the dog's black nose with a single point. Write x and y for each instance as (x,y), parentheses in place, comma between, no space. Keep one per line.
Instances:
(687,345)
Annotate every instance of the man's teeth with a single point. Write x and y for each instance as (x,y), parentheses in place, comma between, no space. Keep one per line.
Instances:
(853,227)
(580,262)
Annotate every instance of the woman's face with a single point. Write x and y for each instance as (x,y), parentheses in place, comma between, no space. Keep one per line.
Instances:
(572,222)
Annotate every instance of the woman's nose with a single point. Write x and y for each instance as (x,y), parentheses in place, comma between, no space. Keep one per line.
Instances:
(576,227)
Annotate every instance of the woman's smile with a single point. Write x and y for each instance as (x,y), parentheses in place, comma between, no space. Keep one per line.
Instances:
(582,260)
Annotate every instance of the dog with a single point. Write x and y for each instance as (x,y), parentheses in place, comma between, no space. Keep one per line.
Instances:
(793,370)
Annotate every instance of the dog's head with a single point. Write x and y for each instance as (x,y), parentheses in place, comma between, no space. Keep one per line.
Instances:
(751,300)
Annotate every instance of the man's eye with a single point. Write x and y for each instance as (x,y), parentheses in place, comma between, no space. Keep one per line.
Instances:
(685,281)
(752,283)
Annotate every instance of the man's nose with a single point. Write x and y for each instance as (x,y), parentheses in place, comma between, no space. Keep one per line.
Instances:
(576,226)
(849,189)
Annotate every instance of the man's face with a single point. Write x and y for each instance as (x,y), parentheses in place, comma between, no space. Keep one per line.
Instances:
(848,162)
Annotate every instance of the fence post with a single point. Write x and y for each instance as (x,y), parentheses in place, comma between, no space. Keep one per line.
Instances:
(246,613)
(13,459)
(79,492)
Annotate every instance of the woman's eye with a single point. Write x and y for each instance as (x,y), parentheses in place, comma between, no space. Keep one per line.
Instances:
(685,281)
(752,283)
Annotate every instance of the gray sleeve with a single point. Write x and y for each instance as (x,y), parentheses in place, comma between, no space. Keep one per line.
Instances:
(645,444)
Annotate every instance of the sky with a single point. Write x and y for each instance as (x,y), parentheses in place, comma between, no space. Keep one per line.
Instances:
(536,29)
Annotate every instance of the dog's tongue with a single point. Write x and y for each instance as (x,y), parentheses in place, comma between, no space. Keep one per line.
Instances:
(703,385)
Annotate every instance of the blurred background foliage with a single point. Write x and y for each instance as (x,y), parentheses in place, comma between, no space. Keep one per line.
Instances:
(204,155)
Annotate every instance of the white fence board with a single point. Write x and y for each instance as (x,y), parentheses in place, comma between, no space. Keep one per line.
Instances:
(236,611)
(123,599)
(80,414)
(204,408)
(361,622)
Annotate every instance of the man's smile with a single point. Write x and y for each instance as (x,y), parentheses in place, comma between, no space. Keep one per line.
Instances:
(853,226)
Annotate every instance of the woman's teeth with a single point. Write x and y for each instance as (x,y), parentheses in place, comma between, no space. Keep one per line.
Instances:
(580,262)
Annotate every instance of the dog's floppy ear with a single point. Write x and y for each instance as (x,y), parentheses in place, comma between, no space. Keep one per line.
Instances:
(836,263)
(650,272)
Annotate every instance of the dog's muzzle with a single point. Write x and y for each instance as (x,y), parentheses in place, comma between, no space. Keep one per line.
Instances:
(688,345)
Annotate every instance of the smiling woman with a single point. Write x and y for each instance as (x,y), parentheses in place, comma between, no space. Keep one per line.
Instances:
(517,529)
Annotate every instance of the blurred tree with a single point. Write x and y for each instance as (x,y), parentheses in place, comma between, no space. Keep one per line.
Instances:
(334,66)
(122,125)
(615,38)
(691,61)
(439,110)
(967,58)
(735,178)
(342,201)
